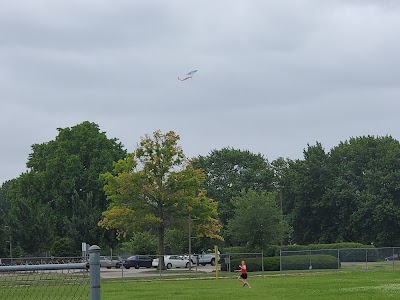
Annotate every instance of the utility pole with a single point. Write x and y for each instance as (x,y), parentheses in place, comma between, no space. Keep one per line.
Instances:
(9,231)
(190,243)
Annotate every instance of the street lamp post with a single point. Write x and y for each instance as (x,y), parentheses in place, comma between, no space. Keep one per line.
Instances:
(11,258)
(190,243)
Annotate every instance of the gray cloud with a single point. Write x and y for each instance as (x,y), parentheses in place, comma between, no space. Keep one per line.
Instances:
(273,75)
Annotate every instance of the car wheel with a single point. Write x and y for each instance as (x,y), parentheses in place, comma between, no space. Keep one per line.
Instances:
(137,267)
(213,262)
(169,265)
(108,267)
(127,267)
(203,264)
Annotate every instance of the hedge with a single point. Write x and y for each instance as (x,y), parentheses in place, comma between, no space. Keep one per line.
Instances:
(293,262)
(348,252)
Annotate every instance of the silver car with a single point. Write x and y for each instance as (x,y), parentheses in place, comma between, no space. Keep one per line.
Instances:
(173,261)
(109,262)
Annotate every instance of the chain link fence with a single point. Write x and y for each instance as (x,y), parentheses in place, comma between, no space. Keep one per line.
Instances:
(64,281)
(51,279)
(67,278)
(348,258)
(230,262)
(284,261)
(311,260)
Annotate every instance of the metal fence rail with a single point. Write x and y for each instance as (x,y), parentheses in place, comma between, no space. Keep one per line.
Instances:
(361,258)
(52,281)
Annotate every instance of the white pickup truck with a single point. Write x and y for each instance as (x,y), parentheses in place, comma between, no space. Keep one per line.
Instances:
(205,257)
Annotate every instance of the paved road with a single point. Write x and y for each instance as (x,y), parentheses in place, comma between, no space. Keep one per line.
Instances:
(142,272)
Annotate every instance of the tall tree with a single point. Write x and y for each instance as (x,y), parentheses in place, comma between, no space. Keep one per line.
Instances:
(29,220)
(63,177)
(229,172)
(155,188)
(31,226)
(349,194)
(4,208)
(307,181)
(257,220)
(281,169)
(365,193)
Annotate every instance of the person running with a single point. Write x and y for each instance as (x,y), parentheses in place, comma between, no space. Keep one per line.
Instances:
(243,274)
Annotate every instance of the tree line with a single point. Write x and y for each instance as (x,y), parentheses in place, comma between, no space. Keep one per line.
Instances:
(84,186)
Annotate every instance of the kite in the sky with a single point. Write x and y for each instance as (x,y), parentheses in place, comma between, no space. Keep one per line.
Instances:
(188,75)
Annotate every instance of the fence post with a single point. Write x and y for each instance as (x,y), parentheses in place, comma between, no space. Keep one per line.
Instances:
(393,257)
(262,262)
(94,262)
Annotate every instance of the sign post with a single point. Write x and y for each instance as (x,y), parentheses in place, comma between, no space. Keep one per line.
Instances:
(216,261)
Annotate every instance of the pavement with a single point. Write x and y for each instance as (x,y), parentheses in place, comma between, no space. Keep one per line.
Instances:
(143,272)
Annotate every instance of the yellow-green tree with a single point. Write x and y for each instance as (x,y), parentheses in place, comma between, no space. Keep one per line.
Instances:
(156,187)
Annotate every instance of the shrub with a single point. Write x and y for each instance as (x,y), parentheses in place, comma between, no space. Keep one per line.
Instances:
(293,262)
(236,249)
(304,262)
(348,252)
(354,255)
(63,247)
(254,264)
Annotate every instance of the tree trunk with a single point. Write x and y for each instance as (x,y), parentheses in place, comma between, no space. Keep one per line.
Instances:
(161,241)
(161,236)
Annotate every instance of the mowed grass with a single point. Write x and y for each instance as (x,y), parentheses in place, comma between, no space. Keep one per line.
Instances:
(361,284)
(318,285)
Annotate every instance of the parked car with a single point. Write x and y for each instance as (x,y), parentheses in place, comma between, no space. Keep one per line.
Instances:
(109,262)
(173,261)
(392,257)
(137,261)
(205,257)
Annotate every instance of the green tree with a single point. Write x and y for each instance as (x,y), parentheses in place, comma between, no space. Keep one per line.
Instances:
(350,194)
(230,171)
(63,187)
(63,247)
(141,243)
(4,207)
(281,171)
(28,221)
(364,196)
(257,220)
(306,183)
(156,188)
(176,241)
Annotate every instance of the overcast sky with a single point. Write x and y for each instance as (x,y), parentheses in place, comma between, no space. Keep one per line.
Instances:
(273,75)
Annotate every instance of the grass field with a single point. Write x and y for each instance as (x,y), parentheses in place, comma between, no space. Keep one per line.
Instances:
(345,284)
(319,285)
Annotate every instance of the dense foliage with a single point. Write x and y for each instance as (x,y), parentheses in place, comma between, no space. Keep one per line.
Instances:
(230,171)
(61,196)
(256,221)
(294,262)
(155,188)
(350,193)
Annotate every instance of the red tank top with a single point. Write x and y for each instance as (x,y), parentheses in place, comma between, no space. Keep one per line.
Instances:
(243,270)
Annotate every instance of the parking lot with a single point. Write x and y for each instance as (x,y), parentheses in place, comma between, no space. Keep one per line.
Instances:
(142,272)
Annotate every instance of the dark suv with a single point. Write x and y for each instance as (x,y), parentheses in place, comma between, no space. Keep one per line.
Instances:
(137,261)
